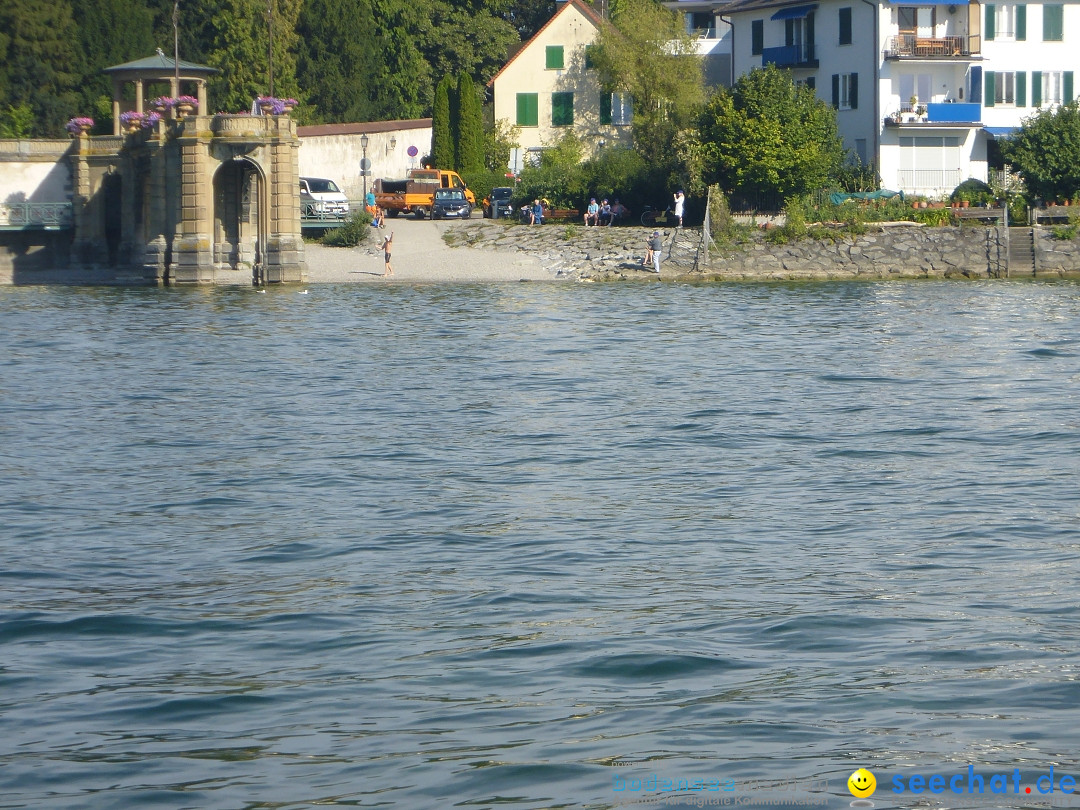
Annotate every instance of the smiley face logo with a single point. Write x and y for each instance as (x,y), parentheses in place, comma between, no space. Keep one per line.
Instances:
(862,783)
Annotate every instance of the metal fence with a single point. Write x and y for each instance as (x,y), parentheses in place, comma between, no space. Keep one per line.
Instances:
(41,216)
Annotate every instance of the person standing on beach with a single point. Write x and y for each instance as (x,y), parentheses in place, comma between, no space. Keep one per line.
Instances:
(656,248)
(680,204)
(387,245)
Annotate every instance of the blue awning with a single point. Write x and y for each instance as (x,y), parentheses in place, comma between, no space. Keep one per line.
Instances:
(793,12)
(1001,132)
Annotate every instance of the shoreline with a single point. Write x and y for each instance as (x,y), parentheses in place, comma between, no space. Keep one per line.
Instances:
(486,251)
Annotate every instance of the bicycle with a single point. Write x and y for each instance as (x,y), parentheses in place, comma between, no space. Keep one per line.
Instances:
(652,217)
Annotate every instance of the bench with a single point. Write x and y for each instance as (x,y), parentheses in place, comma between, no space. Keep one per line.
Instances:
(561,214)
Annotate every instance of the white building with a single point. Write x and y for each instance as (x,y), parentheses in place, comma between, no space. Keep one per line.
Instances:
(919,87)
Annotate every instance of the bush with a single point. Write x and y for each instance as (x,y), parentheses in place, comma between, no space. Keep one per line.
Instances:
(352,233)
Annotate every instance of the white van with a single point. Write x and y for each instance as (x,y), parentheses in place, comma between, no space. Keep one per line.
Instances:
(322,197)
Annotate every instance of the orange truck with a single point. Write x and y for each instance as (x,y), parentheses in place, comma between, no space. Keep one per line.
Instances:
(416,193)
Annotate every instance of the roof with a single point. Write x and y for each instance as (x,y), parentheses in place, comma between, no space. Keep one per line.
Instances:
(757,5)
(160,63)
(562,5)
(369,127)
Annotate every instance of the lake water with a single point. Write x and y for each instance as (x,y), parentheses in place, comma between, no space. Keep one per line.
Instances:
(538,545)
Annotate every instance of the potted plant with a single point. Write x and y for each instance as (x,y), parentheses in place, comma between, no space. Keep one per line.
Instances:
(185,105)
(162,103)
(80,125)
(131,121)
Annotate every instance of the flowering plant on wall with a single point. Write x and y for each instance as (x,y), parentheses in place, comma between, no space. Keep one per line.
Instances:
(150,120)
(79,124)
(276,106)
(131,119)
(162,102)
(194,102)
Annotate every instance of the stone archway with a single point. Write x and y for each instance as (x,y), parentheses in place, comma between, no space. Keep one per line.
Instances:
(239,234)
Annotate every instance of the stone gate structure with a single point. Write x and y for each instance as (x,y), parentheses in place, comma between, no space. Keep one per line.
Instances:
(186,197)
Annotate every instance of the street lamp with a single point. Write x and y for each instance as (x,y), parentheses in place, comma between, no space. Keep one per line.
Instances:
(364,164)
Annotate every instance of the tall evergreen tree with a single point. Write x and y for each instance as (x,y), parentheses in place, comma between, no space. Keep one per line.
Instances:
(40,61)
(111,32)
(337,59)
(443,150)
(403,85)
(470,129)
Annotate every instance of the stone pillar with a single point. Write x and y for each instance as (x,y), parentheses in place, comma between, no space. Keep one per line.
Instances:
(284,260)
(192,256)
(202,96)
(116,92)
(139,95)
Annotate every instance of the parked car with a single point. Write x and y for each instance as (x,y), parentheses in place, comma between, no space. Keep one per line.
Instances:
(320,197)
(497,203)
(450,202)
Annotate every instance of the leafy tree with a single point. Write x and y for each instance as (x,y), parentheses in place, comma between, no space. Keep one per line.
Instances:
(336,58)
(501,139)
(233,36)
(767,136)
(402,83)
(454,37)
(470,131)
(40,59)
(648,54)
(111,32)
(16,122)
(560,177)
(1046,151)
(442,131)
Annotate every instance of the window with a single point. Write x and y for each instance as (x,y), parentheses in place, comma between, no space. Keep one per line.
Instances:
(1000,88)
(757,37)
(528,114)
(918,86)
(562,109)
(622,109)
(1053,23)
(1005,21)
(845,91)
(916,20)
(845,26)
(617,109)
(589,57)
(554,57)
(1047,88)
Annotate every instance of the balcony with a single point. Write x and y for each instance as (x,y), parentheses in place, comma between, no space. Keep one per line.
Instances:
(790,56)
(937,115)
(912,46)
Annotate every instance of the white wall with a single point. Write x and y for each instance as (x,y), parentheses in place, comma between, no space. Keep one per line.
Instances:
(338,156)
(34,171)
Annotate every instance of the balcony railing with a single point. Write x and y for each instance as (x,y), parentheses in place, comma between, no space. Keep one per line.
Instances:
(790,56)
(31,216)
(914,46)
(928,181)
(937,114)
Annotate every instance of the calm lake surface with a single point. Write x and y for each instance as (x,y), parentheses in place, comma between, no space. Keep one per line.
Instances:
(536,545)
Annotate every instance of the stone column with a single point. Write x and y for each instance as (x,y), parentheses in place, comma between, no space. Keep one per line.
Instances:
(192,257)
(284,258)
(117,88)
(202,96)
(139,95)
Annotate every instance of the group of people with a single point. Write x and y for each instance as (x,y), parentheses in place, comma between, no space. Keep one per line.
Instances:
(604,213)
(378,215)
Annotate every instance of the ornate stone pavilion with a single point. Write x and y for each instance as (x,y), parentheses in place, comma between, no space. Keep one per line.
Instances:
(188,197)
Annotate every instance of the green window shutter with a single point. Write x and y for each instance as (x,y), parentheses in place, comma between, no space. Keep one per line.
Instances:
(605,108)
(757,37)
(988,84)
(1021,23)
(554,57)
(845,26)
(1067,86)
(853,91)
(528,114)
(1021,88)
(562,109)
(836,91)
(1053,22)
(1036,88)
(988,12)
